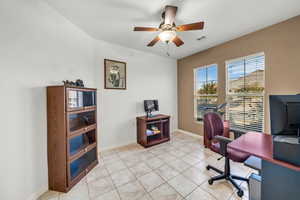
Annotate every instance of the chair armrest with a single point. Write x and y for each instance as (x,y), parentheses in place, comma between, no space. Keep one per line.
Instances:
(224,141)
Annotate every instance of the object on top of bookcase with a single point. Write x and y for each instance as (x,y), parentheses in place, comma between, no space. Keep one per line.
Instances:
(77,83)
(72,135)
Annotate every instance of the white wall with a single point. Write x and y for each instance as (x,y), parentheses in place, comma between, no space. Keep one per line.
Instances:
(39,47)
(148,77)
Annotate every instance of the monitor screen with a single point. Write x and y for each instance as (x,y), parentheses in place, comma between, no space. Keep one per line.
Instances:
(151,105)
(285,114)
(293,112)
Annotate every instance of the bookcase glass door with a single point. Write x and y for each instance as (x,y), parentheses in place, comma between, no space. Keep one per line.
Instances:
(79,165)
(75,99)
(80,142)
(81,120)
(89,98)
(78,99)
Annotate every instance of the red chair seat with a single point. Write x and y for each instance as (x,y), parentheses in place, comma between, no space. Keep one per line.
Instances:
(234,155)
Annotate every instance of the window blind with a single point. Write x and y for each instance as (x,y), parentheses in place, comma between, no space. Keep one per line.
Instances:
(245,93)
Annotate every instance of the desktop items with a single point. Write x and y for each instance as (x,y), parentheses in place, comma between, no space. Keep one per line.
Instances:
(285,127)
(150,106)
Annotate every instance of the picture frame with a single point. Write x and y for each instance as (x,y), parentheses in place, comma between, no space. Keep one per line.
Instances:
(115,76)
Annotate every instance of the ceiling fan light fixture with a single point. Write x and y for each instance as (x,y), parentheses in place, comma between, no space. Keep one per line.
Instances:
(168,28)
(167,36)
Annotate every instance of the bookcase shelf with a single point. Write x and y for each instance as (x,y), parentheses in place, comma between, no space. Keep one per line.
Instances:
(72,135)
(160,123)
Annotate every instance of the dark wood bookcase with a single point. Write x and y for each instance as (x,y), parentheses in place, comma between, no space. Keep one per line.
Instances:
(161,122)
(72,135)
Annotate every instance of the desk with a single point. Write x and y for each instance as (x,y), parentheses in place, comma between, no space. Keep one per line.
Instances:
(280,180)
(259,145)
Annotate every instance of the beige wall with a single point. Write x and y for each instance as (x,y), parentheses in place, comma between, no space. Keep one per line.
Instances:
(281,45)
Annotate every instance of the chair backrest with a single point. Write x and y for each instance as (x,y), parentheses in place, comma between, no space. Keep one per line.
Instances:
(213,125)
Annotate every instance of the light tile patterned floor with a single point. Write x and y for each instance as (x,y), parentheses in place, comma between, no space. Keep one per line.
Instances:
(171,171)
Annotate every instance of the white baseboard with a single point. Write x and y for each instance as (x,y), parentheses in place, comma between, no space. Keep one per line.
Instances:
(117,146)
(36,195)
(42,190)
(190,133)
(134,142)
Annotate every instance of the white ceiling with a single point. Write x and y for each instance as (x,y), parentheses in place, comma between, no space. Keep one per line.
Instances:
(113,20)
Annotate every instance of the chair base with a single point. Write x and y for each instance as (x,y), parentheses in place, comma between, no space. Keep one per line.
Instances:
(229,177)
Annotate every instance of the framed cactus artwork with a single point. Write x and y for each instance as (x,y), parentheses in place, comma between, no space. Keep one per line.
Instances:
(114,74)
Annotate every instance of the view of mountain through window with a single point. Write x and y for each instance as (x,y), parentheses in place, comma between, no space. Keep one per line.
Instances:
(206,85)
(245,93)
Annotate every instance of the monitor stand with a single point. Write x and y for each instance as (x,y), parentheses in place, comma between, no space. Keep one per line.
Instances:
(150,115)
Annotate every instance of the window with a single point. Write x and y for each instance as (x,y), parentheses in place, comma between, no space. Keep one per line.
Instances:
(245,92)
(206,85)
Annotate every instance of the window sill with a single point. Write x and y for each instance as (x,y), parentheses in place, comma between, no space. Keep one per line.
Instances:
(198,122)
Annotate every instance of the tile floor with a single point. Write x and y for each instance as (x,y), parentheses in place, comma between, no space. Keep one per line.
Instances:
(170,171)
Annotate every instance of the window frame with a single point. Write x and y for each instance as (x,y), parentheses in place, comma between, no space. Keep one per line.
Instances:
(263,94)
(204,95)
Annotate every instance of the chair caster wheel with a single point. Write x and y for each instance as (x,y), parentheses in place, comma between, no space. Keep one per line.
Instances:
(210,181)
(240,193)
(207,168)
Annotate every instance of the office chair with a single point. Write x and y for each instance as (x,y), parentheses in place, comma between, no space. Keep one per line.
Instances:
(214,129)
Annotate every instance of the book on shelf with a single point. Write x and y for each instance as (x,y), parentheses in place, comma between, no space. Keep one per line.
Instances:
(152,132)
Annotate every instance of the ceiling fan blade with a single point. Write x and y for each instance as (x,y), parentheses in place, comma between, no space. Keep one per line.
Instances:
(145,29)
(177,41)
(153,42)
(170,13)
(190,27)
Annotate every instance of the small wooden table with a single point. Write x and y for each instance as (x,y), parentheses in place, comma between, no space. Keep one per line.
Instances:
(161,122)
(280,180)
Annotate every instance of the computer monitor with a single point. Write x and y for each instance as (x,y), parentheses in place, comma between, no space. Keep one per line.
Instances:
(285,114)
(150,106)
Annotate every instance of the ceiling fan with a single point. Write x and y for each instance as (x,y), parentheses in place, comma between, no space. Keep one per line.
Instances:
(168,29)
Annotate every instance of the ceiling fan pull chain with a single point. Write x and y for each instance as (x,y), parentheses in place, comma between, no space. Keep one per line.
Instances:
(168,48)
